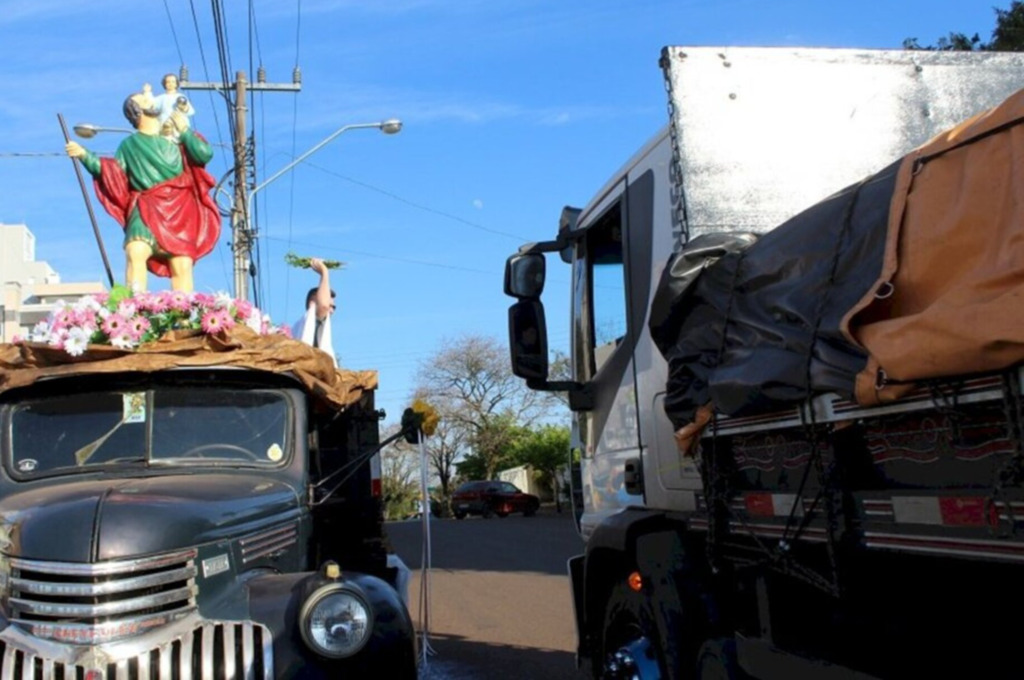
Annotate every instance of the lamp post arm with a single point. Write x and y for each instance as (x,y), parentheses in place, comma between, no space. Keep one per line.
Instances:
(304,156)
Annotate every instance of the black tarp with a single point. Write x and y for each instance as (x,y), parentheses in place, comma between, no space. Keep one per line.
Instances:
(760,327)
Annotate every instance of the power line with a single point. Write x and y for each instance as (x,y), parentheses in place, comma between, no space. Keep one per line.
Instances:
(419,206)
(206,71)
(174,34)
(291,179)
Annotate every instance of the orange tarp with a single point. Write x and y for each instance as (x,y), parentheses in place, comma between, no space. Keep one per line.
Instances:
(24,364)
(954,259)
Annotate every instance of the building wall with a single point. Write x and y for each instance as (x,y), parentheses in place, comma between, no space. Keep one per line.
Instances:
(30,287)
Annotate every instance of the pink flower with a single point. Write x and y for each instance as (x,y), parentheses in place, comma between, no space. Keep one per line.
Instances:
(137,326)
(150,302)
(101,298)
(85,318)
(114,325)
(216,321)
(178,301)
(203,299)
(126,308)
(243,308)
(63,318)
(17,340)
(286,331)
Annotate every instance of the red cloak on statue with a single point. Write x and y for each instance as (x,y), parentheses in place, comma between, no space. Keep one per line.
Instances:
(180,212)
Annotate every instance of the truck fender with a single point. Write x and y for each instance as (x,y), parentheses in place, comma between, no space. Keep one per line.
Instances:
(276,600)
(610,555)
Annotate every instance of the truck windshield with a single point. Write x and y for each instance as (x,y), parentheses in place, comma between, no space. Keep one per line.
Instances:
(165,426)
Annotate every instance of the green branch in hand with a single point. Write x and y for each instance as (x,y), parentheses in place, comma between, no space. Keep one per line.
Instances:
(303,262)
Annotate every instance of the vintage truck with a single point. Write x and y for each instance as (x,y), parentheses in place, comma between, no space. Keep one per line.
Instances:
(200,507)
(795,376)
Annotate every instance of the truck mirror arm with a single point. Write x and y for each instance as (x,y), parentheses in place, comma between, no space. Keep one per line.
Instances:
(581,396)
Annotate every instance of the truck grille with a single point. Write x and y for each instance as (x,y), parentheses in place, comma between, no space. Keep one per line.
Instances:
(100,602)
(211,651)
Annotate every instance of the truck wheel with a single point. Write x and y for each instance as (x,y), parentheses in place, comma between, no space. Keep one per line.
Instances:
(717,661)
(459,514)
(629,644)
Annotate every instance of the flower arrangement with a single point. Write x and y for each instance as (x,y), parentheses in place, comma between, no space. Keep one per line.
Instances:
(127,319)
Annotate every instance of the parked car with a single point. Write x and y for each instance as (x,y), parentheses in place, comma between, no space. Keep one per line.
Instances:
(492,497)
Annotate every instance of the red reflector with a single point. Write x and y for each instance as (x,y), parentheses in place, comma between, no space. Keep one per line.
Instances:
(375,487)
(760,504)
(961,512)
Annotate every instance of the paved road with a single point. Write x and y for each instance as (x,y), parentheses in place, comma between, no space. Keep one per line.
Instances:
(499,600)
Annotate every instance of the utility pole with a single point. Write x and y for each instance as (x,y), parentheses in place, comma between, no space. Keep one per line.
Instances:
(242,237)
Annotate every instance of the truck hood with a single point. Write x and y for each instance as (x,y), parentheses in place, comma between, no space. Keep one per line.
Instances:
(96,520)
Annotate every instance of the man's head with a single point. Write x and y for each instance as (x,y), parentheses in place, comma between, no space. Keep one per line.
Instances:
(311,296)
(170,82)
(138,105)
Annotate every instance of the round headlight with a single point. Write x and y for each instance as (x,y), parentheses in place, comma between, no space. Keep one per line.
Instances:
(336,621)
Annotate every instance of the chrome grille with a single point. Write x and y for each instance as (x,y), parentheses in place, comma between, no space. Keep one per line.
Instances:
(101,602)
(210,651)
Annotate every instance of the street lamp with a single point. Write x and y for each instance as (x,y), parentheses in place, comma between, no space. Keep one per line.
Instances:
(88,130)
(388,127)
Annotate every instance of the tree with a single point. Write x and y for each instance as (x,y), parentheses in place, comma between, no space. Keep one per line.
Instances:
(399,476)
(1008,35)
(546,450)
(470,382)
(443,448)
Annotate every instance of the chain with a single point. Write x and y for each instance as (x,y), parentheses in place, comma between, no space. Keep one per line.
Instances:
(1010,473)
(680,226)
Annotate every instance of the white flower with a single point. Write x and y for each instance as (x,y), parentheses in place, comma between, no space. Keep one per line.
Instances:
(104,312)
(88,303)
(122,342)
(76,341)
(126,308)
(57,338)
(222,300)
(40,332)
(254,322)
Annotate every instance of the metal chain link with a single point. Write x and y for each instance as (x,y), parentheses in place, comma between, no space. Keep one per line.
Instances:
(680,226)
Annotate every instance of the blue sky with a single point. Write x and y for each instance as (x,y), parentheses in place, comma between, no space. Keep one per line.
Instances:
(511,110)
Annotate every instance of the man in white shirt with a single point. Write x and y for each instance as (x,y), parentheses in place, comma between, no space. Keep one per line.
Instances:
(314,328)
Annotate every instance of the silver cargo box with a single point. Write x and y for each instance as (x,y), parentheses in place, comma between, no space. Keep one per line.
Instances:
(763,133)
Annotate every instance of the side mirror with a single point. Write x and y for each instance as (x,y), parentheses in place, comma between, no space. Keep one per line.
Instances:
(528,340)
(524,276)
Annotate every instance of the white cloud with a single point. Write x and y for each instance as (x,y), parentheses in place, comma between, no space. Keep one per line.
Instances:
(478,204)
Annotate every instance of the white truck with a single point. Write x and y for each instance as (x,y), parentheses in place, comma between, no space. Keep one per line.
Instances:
(795,372)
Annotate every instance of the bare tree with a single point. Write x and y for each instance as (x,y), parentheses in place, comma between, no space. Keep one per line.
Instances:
(470,382)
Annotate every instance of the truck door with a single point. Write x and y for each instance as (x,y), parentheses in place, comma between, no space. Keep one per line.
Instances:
(603,356)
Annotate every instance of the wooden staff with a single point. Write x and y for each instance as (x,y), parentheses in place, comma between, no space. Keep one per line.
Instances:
(88,205)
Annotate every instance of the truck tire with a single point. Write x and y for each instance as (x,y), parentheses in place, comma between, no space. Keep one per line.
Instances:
(717,661)
(629,640)
(458,514)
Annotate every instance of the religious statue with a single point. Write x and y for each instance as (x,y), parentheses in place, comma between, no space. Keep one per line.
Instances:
(158,190)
